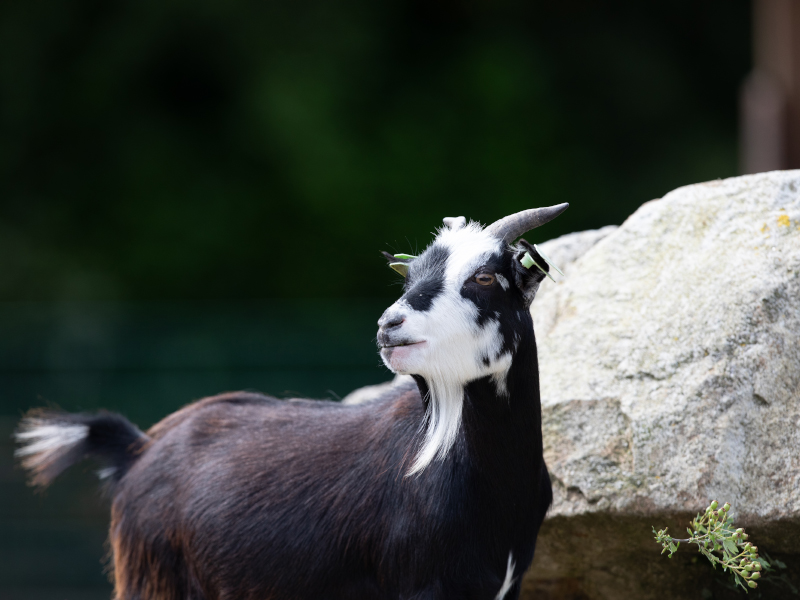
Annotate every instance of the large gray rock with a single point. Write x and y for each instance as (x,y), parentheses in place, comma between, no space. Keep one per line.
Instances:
(670,374)
(669,357)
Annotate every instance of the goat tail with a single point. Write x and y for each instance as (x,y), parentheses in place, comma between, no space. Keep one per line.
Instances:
(51,441)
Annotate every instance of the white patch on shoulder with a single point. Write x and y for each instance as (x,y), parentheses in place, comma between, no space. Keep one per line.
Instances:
(41,439)
(509,580)
(503,281)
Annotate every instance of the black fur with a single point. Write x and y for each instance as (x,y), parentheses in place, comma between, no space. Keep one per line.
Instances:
(529,279)
(246,496)
(425,279)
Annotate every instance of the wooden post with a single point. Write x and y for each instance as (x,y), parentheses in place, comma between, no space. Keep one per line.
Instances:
(770,98)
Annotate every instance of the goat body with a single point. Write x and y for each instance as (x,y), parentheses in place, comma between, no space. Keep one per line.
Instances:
(244,496)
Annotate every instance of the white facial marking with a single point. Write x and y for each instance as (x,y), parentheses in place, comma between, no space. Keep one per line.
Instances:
(503,281)
(509,580)
(40,442)
(446,345)
(501,375)
(469,247)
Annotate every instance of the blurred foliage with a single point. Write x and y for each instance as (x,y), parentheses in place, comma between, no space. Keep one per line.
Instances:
(228,149)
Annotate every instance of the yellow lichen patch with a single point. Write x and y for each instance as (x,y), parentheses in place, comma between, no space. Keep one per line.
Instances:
(765,228)
(783,220)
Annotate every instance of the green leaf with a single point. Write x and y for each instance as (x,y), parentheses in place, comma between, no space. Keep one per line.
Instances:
(405,256)
(730,547)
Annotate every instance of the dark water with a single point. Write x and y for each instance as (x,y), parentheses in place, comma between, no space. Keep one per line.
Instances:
(145,361)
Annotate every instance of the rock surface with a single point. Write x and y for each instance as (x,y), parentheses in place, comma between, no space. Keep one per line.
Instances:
(669,358)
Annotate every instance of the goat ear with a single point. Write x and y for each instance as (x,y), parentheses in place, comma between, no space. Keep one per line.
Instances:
(399,262)
(530,269)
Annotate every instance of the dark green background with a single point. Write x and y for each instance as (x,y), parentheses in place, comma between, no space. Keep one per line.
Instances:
(221,150)
(193,194)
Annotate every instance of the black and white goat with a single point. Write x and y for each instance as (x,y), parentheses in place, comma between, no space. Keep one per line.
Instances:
(436,489)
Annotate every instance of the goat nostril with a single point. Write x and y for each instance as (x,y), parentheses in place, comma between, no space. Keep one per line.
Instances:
(392,322)
(391,318)
(396,322)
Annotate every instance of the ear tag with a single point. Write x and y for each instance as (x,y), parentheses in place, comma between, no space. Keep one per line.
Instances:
(527,262)
(547,258)
(401,268)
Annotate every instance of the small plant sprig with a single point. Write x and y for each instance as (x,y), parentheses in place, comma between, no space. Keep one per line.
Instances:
(713,533)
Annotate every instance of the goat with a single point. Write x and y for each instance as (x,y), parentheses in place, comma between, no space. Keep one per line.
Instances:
(436,488)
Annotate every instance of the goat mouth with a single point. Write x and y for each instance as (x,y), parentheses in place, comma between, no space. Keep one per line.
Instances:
(401,344)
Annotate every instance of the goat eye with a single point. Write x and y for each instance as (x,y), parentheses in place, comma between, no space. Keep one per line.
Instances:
(484,279)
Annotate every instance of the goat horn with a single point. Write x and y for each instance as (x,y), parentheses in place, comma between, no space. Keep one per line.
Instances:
(513,226)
